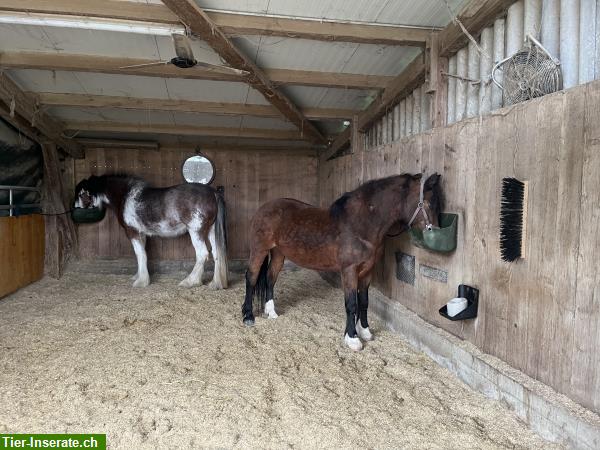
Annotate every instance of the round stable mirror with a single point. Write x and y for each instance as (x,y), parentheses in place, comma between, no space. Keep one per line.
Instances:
(198,169)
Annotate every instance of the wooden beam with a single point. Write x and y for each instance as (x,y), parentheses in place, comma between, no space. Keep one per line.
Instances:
(403,84)
(187,130)
(338,143)
(26,107)
(232,24)
(61,238)
(113,65)
(158,104)
(320,30)
(204,27)
(475,16)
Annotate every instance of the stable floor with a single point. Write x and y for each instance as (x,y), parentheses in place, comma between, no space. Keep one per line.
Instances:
(172,367)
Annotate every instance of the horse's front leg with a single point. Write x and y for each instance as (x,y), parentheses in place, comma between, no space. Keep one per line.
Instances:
(142,278)
(350,286)
(362,324)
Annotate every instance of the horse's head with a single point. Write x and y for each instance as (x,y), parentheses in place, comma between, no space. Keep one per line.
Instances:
(89,193)
(424,201)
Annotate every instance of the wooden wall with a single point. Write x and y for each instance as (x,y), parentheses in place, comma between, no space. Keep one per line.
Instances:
(21,252)
(540,314)
(250,178)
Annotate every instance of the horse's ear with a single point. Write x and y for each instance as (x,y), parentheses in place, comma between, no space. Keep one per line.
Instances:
(432,181)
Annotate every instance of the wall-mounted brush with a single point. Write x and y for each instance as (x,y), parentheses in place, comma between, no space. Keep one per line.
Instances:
(513,219)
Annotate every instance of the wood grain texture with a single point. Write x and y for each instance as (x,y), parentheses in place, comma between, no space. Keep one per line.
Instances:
(21,252)
(202,25)
(250,178)
(542,313)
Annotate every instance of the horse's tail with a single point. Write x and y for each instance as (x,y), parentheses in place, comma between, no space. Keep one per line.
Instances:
(220,243)
(261,286)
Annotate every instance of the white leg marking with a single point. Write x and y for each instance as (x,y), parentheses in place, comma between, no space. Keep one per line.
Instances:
(220,272)
(142,278)
(353,343)
(363,333)
(270,310)
(195,277)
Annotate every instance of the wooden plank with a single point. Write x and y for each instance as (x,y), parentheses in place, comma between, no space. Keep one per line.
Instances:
(202,25)
(327,79)
(475,16)
(61,238)
(21,252)
(585,377)
(158,104)
(256,133)
(114,65)
(570,168)
(26,107)
(321,29)
(232,24)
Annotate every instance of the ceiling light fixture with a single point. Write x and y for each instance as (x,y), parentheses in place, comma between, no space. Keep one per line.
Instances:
(87,23)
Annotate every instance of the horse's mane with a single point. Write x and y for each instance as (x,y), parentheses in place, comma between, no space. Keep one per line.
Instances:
(366,190)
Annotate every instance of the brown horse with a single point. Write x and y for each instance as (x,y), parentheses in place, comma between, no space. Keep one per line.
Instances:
(346,238)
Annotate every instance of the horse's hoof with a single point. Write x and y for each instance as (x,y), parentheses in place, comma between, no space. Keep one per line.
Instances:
(249,322)
(364,333)
(353,343)
(141,282)
(189,283)
(270,310)
(214,286)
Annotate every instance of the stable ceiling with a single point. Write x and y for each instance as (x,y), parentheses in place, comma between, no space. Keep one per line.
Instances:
(75,77)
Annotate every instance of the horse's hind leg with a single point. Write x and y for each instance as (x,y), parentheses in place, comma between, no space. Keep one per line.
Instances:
(277,260)
(199,242)
(255,269)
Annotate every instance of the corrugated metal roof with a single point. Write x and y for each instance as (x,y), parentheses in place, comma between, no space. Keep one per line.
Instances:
(268,52)
(399,12)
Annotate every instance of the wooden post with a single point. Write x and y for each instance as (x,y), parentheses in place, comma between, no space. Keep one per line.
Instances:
(438,86)
(61,239)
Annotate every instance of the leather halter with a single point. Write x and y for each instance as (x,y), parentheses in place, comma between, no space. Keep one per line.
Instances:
(421,207)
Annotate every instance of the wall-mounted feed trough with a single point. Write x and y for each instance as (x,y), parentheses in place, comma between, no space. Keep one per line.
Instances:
(442,239)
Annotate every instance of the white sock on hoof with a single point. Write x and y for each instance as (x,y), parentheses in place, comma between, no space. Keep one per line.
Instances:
(142,281)
(363,333)
(353,343)
(270,310)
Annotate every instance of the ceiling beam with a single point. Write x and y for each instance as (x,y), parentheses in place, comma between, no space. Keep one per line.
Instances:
(401,86)
(191,106)
(29,111)
(203,26)
(112,65)
(186,130)
(475,16)
(232,24)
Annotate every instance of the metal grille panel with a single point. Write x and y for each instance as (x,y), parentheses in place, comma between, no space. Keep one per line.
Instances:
(405,268)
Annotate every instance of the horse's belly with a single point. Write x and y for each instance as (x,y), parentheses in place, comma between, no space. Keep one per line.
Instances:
(316,258)
(166,229)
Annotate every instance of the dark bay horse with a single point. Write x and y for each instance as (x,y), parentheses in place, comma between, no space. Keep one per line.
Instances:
(346,238)
(166,212)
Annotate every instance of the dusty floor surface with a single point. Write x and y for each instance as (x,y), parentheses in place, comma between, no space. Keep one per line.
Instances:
(174,368)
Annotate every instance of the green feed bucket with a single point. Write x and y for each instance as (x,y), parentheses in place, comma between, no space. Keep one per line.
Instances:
(87,215)
(442,239)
